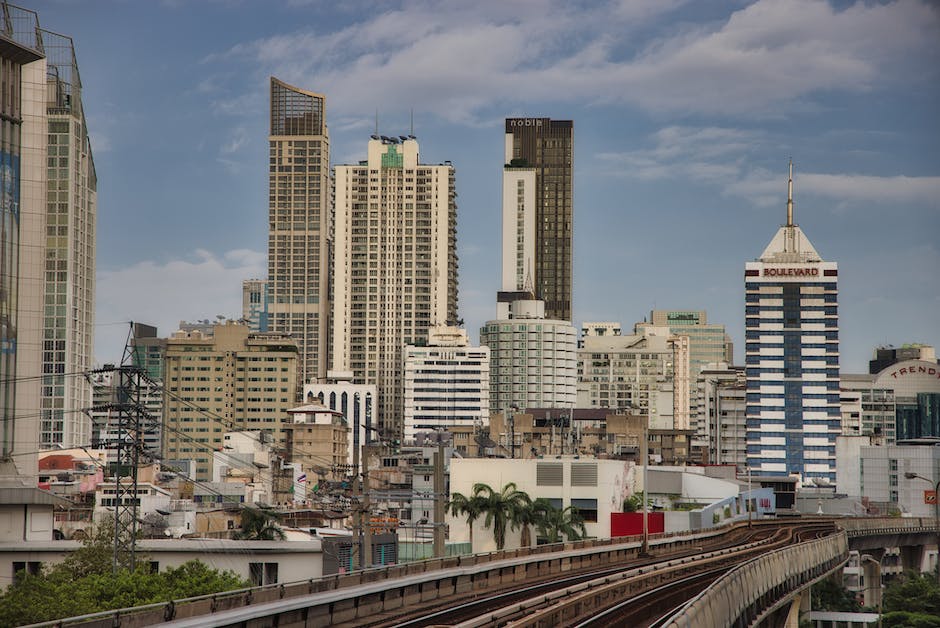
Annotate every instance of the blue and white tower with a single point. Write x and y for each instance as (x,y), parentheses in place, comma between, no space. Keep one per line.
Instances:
(792,357)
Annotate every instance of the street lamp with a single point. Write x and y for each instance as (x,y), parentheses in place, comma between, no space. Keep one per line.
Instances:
(936,509)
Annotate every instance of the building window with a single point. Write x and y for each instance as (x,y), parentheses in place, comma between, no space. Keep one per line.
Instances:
(262,573)
(31,568)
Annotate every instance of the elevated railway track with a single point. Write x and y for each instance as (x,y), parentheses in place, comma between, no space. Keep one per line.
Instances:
(743,571)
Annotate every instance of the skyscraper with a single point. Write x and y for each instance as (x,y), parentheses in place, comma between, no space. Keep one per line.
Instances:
(395,265)
(299,224)
(71,210)
(537,211)
(792,357)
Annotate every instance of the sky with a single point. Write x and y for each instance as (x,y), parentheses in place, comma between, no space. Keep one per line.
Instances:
(685,117)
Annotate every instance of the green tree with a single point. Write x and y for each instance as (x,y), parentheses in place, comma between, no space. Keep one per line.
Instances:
(259,525)
(829,595)
(524,515)
(85,583)
(913,599)
(499,508)
(634,503)
(555,523)
(468,507)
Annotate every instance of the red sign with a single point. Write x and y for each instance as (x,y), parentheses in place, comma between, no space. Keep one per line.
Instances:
(930,497)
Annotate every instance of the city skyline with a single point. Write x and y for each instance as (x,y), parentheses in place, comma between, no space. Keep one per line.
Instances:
(686,117)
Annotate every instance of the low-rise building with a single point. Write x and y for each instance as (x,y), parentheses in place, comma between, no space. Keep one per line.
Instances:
(317,439)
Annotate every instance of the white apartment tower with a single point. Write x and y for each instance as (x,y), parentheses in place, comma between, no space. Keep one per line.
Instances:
(447,382)
(395,265)
(299,224)
(533,359)
(792,357)
(71,210)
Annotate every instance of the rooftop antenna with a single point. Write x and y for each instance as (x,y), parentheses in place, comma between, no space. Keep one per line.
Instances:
(412,132)
(790,196)
(376,121)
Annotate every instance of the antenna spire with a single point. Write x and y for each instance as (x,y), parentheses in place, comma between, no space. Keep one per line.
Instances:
(790,196)
(376,120)
(412,122)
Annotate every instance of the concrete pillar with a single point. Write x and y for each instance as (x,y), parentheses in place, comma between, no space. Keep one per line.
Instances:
(912,557)
(871,572)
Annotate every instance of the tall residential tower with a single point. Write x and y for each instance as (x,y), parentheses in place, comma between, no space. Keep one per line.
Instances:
(537,212)
(71,210)
(395,265)
(792,357)
(299,224)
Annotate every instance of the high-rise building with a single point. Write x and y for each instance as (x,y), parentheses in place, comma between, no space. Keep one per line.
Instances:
(447,382)
(229,380)
(533,359)
(71,210)
(537,212)
(395,265)
(299,224)
(255,304)
(720,420)
(792,357)
(23,163)
(646,372)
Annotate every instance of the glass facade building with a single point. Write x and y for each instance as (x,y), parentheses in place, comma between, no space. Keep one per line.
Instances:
(792,358)
(539,153)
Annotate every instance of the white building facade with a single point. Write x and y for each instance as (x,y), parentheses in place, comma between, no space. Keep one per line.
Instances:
(71,214)
(447,382)
(647,371)
(792,357)
(395,264)
(533,360)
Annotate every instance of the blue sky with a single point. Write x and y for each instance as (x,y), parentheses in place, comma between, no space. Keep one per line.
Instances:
(685,115)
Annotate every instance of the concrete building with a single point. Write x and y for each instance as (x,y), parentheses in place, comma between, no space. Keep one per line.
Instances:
(595,487)
(356,402)
(255,311)
(886,356)
(233,379)
(300,225)
(792,357)
(900,402)
(395,265)
(646,372)
(538,211)
(709,343)
(317,439)
(447,382)
(720,417)
(533,361)
(71,206)
(258,562)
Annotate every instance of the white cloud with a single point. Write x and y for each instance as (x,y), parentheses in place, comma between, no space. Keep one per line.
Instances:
(723,157)
(457,58)
(202,285)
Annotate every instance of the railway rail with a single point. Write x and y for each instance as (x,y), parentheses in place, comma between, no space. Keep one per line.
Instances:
(635,591)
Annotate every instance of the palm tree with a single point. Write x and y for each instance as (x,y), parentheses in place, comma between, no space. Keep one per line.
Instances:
(468,507)
(259,525)
(524,515)
(500,508)
(553,523)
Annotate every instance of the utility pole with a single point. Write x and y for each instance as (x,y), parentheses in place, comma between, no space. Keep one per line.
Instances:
(439,498)
(366,556)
